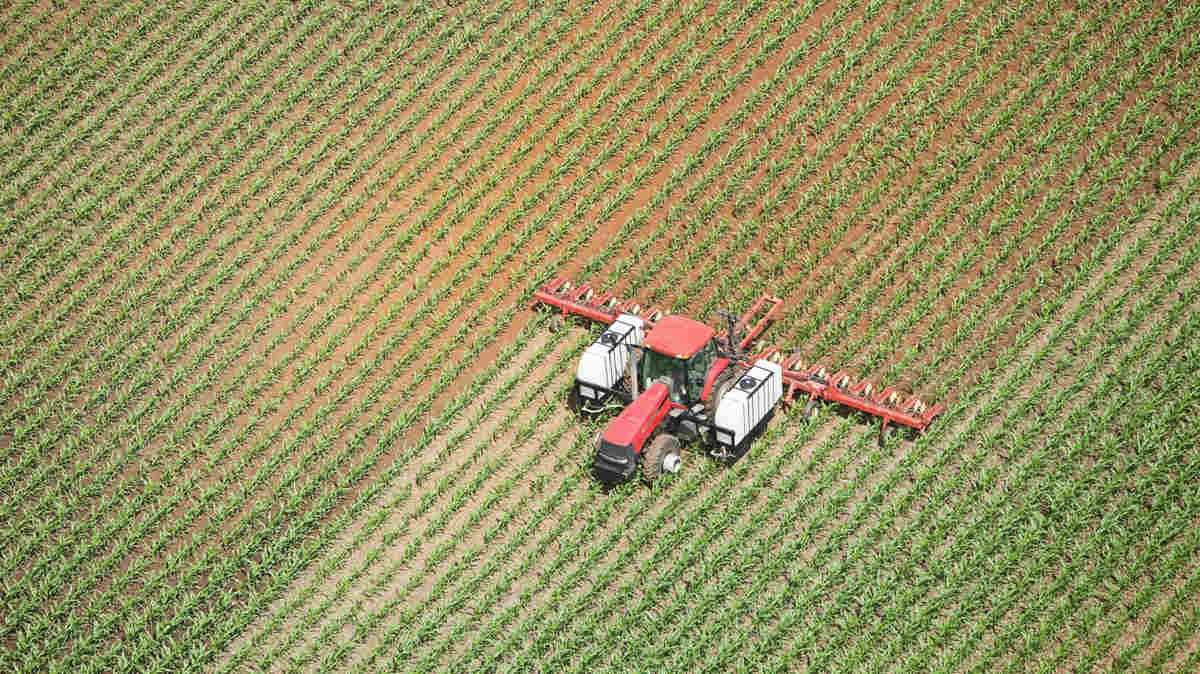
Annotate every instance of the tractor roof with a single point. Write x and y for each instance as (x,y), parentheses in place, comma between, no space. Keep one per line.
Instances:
(678,336)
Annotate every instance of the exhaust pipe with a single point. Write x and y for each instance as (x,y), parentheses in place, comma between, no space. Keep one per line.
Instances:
(633,372)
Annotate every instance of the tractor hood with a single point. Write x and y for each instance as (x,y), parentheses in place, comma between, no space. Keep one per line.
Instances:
(638,420)
(617,452)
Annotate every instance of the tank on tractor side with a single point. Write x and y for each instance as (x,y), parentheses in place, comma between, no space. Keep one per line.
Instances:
(604,361)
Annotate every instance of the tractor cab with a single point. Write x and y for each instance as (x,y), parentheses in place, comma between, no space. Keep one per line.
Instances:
(680,353)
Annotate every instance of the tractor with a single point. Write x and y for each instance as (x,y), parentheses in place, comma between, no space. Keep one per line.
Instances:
(676,380)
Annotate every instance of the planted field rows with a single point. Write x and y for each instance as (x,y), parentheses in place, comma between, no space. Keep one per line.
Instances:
(275,397)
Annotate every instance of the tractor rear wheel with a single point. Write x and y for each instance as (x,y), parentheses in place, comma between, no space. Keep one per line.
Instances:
(662,455)
(885,435)
(721,386)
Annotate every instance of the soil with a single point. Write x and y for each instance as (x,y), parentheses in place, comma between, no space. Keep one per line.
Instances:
(205,401)
(327,252)
(612,553)
(403,496)
(991,459)
(136,470)
(643,198)
(331,225)
(1000,489)
(120,166)
(916,336)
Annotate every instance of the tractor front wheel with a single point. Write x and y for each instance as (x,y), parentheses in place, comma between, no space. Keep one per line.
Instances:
(662,455)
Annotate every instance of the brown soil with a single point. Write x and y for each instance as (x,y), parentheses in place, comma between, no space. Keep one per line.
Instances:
(730,52)
(750,479)
(53,32)
(122,161)
(522,461)
(916,335)
(398,506)
(177,268)
(614,552)
(1190,645)
(139,471)
(327,252)
(1001,487)
(805,134)
(335,249)
(902,523)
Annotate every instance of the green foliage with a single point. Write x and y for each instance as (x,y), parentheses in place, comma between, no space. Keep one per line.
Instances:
(273,396)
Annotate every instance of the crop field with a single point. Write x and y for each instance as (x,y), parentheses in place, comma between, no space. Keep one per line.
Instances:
(275,397)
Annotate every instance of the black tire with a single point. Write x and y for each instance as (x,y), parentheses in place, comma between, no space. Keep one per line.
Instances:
(725,381)
(573,401)
(653,455)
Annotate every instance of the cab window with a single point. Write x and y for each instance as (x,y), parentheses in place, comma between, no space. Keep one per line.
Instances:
(658,367)
(697,369)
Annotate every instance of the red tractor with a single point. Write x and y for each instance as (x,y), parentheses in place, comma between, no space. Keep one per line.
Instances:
(676,378)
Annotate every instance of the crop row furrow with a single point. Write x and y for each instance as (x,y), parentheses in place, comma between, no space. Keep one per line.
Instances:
(641,176)
(86,178)
(208,320)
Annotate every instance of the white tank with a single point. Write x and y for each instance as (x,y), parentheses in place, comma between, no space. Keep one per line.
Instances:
(604,361)
(748,403)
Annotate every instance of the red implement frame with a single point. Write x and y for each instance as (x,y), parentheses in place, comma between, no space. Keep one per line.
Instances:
(760,313)
(889,404)
(583,300)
